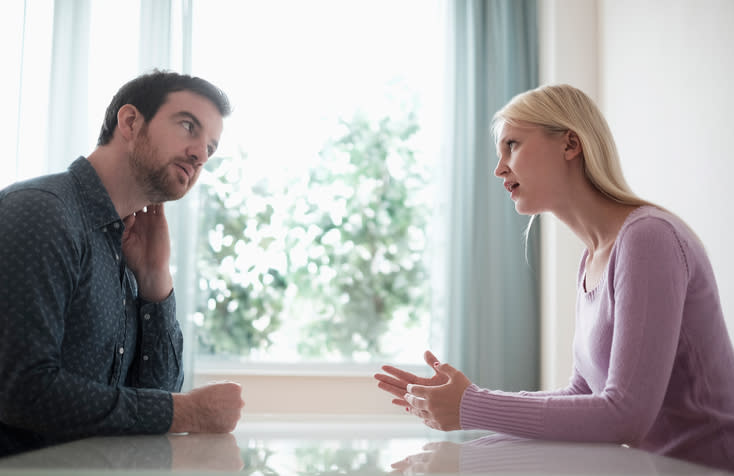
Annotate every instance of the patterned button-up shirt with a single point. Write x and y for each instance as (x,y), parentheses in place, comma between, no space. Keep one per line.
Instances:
(80,353)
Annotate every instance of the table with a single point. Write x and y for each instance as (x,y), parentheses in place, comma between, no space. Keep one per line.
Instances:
(331,445)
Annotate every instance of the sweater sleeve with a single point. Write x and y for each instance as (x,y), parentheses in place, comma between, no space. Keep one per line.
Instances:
(647,280)
(576,386)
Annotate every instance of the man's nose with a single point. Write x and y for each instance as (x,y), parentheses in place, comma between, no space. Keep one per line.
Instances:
(198,153)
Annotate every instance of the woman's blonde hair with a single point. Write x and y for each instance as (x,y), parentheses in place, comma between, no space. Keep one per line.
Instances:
(561,108)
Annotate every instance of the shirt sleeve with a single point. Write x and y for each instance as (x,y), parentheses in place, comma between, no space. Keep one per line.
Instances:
(39,254)
(159,361)
(649,288)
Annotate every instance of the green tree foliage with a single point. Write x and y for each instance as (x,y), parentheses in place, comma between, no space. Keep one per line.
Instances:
(341,249)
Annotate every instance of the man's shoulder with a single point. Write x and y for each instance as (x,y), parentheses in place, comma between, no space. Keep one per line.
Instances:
(59,185)
(52,197)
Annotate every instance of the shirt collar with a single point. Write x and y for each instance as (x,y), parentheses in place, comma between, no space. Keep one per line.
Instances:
(100,210)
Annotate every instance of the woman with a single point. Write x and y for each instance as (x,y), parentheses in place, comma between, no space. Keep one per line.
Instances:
(653,362)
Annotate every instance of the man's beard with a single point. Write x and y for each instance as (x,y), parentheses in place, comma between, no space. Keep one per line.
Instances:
(156,182)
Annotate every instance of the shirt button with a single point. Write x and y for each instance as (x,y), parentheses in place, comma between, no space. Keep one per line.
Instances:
(116,225)
(145,357)
(121,350)
(123,301)
(104,229)
(146,317)
(117,257)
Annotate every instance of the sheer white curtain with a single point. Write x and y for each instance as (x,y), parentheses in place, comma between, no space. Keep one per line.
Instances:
(63,62)
(25,89)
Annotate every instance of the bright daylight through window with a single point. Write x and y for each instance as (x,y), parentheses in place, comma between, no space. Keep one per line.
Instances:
(314,232)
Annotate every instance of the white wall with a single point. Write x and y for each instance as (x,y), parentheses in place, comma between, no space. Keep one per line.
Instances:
(661,72)
(568,36)
(666,89)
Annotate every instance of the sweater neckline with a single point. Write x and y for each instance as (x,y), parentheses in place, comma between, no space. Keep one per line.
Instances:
(591,294)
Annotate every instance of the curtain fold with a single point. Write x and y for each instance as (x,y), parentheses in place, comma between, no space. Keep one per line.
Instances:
(492,315)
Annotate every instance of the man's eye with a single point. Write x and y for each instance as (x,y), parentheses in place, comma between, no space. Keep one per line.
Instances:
(188,125)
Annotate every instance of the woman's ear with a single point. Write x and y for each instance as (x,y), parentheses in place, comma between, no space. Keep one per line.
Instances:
(572,145)
(127,116)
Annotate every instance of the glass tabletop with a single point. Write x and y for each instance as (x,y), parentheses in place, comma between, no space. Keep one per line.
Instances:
(271,446)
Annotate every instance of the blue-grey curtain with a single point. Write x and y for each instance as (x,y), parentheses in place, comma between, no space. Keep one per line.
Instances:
(492,294)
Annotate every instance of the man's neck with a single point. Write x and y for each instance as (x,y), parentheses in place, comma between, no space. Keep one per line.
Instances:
(116,177)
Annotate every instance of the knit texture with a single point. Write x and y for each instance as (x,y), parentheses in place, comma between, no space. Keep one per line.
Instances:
(653,361)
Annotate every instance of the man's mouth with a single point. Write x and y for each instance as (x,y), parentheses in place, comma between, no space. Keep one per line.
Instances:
(187,169)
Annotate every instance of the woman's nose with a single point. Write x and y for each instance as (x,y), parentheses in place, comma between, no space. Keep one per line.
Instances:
(501,168)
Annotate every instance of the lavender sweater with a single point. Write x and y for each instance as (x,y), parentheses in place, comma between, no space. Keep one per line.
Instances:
(653,362)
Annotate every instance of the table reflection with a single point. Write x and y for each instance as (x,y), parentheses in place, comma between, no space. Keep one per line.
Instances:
(357,448)
(502,454)
(208,452)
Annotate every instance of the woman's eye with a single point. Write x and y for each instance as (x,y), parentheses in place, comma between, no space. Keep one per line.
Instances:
(511,144)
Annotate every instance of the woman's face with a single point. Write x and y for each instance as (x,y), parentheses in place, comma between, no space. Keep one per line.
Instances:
(532,166)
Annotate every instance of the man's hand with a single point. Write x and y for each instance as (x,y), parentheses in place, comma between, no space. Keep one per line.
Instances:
(147,249)
(213,408)
(398,380)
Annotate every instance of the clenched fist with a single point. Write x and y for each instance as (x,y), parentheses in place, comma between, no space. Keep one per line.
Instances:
(213,408)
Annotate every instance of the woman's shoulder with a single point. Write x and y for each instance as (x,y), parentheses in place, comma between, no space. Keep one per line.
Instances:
(652,221)
(653,231)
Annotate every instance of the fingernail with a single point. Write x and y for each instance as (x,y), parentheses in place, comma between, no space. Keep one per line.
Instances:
(409,388)
(407,409)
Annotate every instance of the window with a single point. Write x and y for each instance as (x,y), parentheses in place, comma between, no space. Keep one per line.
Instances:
(314,232)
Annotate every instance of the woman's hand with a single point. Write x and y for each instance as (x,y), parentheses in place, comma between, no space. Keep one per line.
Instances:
(435,400)
(396,383)
(439,405)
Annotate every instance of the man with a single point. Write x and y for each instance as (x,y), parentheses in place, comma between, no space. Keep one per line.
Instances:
(89,341)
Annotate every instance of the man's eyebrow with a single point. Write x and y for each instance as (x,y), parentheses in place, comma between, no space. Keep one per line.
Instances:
(193,118)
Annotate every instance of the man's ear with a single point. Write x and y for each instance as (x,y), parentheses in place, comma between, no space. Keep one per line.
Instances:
(572,145)
(128,119)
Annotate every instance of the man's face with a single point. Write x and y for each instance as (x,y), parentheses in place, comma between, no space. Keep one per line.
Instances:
(170,149)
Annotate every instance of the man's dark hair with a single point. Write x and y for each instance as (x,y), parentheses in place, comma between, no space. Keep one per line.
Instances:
(149,91)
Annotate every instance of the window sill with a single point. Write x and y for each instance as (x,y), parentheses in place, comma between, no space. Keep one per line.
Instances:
(307,389)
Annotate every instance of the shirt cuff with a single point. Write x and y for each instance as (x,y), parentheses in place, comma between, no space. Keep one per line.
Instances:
(155,411)
(161,313)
